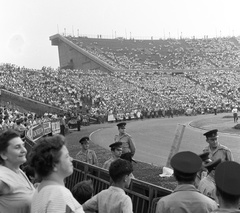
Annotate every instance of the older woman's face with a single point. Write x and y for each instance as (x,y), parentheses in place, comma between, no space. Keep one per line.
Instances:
(16,152)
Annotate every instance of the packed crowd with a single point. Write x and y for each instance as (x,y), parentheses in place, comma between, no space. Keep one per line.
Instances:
(103,93)
(19,121)
(164,54)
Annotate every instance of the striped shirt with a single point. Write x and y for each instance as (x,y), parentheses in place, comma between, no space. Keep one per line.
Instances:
(55,199)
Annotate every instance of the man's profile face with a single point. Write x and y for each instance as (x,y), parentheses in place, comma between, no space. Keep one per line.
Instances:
(213,141)
(117,152)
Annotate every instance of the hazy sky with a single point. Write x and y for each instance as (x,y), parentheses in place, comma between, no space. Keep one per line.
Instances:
(26,25)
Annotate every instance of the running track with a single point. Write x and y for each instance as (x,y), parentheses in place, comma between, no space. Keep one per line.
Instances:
(154,138)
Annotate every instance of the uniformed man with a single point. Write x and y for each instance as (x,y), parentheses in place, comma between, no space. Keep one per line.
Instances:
(215,149)
(127,143)
(185,197)
(207,184)
(116,149)
(228,187)
(85,154)
(203,171)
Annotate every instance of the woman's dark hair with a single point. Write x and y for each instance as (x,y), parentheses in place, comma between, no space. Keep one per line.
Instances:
(45,154)
(5,137)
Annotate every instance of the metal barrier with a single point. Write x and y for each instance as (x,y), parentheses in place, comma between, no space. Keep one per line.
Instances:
(144,195)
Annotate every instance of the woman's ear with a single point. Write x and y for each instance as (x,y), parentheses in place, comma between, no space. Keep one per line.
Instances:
(3,156)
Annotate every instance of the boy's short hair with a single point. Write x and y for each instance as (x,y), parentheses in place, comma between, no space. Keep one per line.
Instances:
(83,191)
(119,168)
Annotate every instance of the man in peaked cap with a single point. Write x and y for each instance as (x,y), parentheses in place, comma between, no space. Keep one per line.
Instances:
(127,143)
(185,197)
(228,186)
(85,154)
(215,149)
(116,149)
(207,184)
(128,156)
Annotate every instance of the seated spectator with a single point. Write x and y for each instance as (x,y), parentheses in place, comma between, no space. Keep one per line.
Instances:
(186,198)
(85,154)
(116,150)
(114,198)
(228,186)
(51,161)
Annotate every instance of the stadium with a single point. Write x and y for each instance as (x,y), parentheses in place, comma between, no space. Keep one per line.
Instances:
(165,90)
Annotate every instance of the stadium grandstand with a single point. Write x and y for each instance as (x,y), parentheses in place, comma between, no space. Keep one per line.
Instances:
(119,79)
(131,54)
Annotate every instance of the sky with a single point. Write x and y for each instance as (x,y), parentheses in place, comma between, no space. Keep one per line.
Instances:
(26,25)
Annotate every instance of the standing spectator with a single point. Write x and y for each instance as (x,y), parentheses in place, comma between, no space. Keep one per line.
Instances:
(16,190)
(203,171)
(52,163)
(19,127)
(186,198)
(215,110)
(62,125)
(116,149)
(215,149)
(127,143)
(235,114)
(83,191)
(79,121)
(85,154)
(228,187)
(207,184)
(114,198)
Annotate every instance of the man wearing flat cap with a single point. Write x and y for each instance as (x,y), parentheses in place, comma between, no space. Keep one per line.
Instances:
(185,197)
(116,150)
(127,143)
(228,187)
(207,184)
(215,149)
(85,154)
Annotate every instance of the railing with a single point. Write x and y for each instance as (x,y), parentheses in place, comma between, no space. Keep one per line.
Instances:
(144,195)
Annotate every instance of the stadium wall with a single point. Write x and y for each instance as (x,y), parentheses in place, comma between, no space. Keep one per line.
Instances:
(14,100)
(74,57)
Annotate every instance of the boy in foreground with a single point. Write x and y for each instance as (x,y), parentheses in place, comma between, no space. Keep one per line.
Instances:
(114,199)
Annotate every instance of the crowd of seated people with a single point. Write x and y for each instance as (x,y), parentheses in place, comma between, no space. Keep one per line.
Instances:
(124,92)
(133,54)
